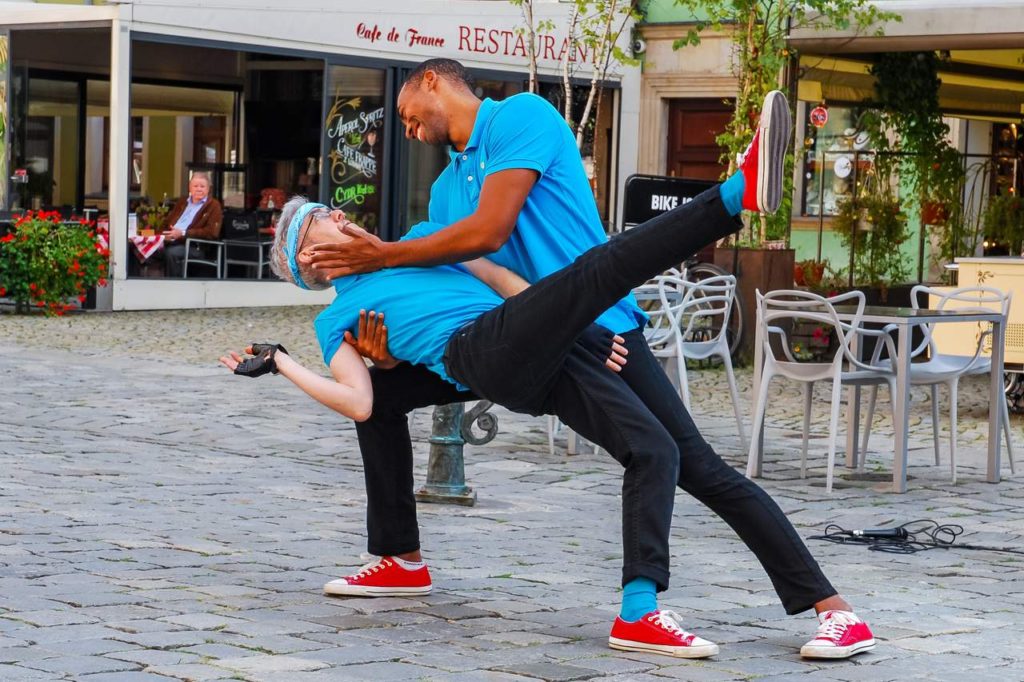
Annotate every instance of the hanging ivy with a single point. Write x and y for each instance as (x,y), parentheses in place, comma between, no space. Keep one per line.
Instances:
(907,93)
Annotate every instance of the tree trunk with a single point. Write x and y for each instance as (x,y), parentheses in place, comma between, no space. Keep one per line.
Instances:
(570,49)
(531,48)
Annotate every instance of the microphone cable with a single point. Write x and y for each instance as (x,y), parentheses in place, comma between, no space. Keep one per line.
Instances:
(908,538)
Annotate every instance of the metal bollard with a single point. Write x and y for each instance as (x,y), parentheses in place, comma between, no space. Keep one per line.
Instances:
(446,472)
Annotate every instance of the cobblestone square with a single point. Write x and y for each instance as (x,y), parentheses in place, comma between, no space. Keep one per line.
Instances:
(161,519)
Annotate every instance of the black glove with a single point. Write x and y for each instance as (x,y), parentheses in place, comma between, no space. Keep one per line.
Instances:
(262,360)
(596,340)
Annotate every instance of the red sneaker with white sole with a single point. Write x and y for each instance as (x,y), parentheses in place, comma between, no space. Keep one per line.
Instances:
(381,578)
(841,634)
(659,632)
(763,163)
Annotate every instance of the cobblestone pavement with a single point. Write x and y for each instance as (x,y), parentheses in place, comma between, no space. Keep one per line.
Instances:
(161,519)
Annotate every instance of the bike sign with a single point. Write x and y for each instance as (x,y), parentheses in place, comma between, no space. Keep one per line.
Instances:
(649,195)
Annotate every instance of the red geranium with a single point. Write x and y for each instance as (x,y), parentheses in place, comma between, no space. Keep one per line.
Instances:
(46,262)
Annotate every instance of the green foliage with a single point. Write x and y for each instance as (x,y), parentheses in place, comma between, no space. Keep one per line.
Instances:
(46,263)
(907,92)
(759,29)
(152,217)
(874,227)
(1004,221)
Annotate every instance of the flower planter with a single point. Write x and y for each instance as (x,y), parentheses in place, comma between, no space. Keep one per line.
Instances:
(759,270)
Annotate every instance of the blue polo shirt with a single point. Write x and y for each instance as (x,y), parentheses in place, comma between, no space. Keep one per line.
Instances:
(422,307)
(559,220)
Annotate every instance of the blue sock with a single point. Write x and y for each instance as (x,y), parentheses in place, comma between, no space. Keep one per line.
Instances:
(639,597)
(732,193)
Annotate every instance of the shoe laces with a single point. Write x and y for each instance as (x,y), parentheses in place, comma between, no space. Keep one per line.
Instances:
(742,156)
(669,620)
(372,567)
(834,626)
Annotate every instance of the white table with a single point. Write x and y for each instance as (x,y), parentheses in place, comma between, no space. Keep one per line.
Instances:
(905,319)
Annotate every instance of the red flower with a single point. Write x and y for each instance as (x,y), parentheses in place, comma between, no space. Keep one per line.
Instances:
(3,291)
(9,237)
(32,286)
(103,281)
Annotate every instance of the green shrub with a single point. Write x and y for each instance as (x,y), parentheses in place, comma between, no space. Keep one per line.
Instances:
(47,263)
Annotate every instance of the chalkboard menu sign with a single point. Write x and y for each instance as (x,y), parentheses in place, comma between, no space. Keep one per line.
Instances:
(353,134)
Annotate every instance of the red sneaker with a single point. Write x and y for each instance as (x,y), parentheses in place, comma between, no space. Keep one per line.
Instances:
(381,578)
(763,164)
(841,634)
(659,633)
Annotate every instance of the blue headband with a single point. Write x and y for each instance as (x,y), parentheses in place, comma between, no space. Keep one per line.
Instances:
(294,228)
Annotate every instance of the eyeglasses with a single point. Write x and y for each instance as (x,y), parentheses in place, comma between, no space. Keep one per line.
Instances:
(316,215)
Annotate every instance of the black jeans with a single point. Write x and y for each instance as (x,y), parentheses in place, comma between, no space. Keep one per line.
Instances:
(636,415)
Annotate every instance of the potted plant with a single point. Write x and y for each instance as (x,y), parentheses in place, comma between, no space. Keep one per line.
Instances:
(151,218)
(1003,223)
(47,263)
(874,228)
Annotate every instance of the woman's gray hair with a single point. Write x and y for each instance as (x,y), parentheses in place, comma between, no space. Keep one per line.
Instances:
(278,259)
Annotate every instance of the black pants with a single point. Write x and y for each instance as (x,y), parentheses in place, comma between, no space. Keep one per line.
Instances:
(636,415)
(174,257)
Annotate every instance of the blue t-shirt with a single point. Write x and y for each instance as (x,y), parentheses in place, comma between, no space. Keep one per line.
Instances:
(422,307)
(559,220)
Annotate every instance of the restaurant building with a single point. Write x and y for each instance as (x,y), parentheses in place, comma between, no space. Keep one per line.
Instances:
(112,107)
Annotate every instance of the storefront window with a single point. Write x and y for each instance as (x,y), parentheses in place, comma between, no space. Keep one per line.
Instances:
(45,155)
(354,143)
(838,158)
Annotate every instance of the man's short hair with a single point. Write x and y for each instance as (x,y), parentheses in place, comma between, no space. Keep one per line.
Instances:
(201,175)
(446,68)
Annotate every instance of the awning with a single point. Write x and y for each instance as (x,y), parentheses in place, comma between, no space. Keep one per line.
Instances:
(982,42)
(44,15)
(935,25)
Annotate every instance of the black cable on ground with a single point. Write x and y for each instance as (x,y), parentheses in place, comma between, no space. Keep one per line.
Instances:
(908,538)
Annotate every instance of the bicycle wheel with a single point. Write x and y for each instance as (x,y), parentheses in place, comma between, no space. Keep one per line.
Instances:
(734,327)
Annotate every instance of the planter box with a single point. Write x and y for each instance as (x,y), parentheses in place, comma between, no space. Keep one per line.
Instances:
(759,269)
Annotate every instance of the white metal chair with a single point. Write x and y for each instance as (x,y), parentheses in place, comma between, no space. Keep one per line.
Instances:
(662,328)
(213,255)
(702,323)
(947,369)
(573,440)
(778,308)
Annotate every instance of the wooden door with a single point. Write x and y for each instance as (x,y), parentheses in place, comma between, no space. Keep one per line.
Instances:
(693,126)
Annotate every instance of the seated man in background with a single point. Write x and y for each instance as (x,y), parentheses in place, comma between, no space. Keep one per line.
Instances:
(196,215)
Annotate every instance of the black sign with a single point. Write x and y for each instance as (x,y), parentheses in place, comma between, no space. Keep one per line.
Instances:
(649,195)
(353,131)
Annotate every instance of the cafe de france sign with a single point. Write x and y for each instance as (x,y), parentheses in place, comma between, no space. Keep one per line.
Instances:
(480,32)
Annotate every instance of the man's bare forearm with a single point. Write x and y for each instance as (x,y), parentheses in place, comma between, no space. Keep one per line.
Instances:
(460,241)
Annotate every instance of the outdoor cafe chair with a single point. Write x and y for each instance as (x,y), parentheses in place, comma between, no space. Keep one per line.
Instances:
(778,310)
(947,369)
(212,255)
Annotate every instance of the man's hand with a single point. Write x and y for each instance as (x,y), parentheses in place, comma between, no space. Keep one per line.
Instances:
(372,341)
(262,360)
(173,234)
(365,253)
(605,346)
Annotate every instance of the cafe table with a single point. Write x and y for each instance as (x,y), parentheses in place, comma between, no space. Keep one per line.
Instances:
(904,320)
(146,247)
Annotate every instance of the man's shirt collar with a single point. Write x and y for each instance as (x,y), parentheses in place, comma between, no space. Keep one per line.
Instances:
(483,115)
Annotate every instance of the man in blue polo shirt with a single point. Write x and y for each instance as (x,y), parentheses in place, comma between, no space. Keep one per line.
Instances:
(516,191)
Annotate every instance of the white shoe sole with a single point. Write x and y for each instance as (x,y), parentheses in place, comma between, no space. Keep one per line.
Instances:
(776,125)
(808,651)
(343,590)
(675,651)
